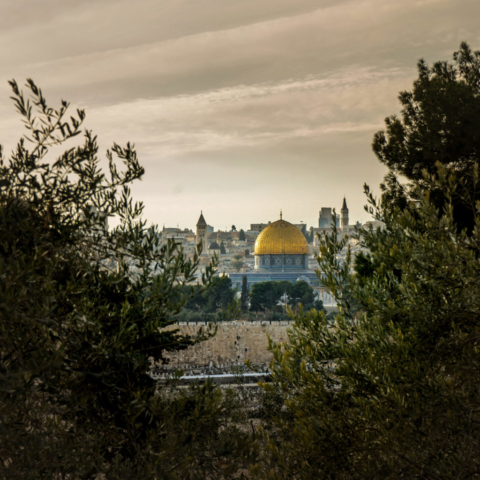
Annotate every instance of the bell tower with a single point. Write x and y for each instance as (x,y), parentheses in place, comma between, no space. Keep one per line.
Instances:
(201,234)
(344,214)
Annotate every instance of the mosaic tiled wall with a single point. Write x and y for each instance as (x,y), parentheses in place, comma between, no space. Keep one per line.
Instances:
(281,261)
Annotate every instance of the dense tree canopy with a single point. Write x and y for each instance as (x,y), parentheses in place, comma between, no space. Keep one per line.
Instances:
(392,389)
(219,295)
(267,295)
(301,292)
(84,311)
(440,120)
(439,123)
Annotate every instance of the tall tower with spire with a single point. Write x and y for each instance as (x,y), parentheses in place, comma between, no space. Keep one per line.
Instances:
(344,214)
(202,233)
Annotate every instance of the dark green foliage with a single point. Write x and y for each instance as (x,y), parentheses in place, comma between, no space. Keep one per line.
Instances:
(219,295)
(301,292)
(388,387)
(223,251)
(267,295)
(363,265)
(440,122)
(244,295)
(84,311)
(187,315)
(391,388)
(241,235)
(331,316)
(318,305)
(213,304)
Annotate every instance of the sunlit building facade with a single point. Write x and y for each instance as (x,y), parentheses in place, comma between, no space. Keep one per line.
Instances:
(281,253)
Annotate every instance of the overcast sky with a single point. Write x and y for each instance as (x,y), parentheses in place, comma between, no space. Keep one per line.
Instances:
(236,107)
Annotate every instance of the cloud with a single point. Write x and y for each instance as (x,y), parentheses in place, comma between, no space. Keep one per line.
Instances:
(250,115)
(273,49)
(252,99)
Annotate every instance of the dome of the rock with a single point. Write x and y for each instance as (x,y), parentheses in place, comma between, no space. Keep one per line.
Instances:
(281,238)
(281,254)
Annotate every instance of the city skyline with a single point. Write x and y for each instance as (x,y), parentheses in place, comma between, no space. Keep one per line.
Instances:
(238,109)
(246,227)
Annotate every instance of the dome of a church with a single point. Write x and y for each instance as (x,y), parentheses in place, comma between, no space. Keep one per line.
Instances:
(281,237)
(214,246)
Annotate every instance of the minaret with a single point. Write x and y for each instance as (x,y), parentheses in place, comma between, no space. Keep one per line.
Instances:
(344,215)
(202,233)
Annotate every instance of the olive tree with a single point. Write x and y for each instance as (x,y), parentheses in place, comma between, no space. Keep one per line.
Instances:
(85,311)
(391,389)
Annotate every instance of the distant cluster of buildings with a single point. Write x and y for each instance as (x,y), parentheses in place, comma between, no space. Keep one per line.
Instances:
(270,251)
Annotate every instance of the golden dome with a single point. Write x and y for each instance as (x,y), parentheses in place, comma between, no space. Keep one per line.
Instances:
(281,237)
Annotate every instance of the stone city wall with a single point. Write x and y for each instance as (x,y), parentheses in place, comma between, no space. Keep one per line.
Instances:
(234,343)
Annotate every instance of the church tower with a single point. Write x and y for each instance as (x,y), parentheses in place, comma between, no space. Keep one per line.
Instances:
(202,233)
(344,214)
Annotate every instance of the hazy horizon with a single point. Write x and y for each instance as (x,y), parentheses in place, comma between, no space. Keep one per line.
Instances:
(238,108)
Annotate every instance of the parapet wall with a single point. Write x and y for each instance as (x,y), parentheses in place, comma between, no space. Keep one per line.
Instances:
(234,343)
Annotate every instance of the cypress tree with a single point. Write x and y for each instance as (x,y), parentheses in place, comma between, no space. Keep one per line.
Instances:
(244,295)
